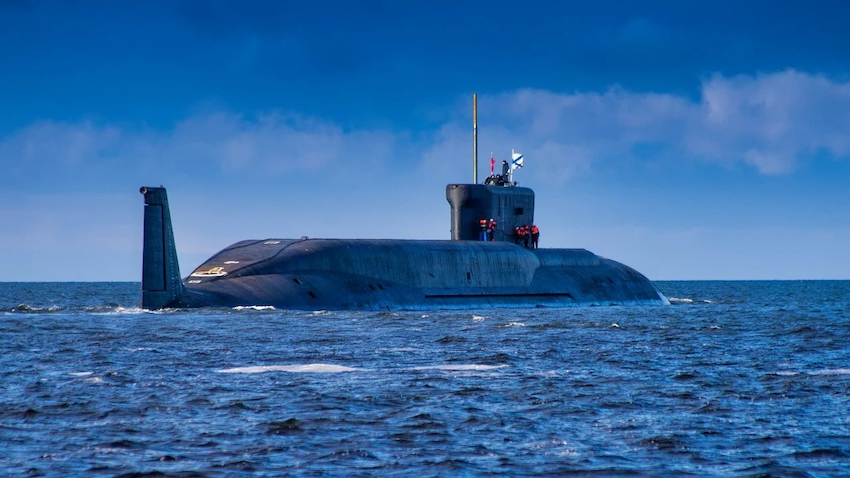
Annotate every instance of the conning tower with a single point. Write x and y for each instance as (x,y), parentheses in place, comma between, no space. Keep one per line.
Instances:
(510,206)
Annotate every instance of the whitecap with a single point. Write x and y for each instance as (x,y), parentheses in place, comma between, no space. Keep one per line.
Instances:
(550,373)
(836,371)
(785,373)
(80,374)
(676,300)
(131,310)
(94,380)
(124,310)
(459,367)
(254,307)
(513,324)
(479,318)
(396,349)
(305,368)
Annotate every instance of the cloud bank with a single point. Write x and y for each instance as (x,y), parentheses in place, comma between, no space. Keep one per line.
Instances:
(216,144)
(772,122)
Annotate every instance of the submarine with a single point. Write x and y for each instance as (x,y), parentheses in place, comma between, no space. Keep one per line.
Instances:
(393,274)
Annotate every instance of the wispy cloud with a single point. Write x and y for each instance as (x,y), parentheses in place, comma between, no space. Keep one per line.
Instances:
(771,121)
(213,144)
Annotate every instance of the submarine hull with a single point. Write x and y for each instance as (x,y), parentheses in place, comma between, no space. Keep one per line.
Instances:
(360,274)
(388,274)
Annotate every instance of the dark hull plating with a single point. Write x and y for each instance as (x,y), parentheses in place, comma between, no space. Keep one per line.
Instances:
(362,274)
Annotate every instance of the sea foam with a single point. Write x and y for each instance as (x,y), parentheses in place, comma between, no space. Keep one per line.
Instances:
(305,368)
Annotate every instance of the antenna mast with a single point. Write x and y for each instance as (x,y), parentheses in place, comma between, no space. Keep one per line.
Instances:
(475,138)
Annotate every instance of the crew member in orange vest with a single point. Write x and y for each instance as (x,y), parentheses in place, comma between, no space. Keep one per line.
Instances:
(535,236)
(523,234)
(482,236)
(516,235)
(491,229)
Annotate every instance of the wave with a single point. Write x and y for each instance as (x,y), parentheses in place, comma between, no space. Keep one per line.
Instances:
(835,371)
(459,367)
(121,310)
(106,309)
(688,300)
(305,368)
(832,371)
(254,307)
(332,368)
(31,309)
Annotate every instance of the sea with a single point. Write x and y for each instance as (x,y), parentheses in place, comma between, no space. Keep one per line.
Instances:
(739,378)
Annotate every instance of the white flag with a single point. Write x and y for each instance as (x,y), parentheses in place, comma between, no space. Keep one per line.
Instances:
(517,161)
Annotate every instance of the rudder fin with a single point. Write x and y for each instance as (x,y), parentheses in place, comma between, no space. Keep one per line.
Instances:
(161,282)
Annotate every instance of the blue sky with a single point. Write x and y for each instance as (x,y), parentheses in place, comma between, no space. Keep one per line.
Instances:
(690,140)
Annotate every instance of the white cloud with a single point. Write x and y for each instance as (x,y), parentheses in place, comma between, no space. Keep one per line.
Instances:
(58,144)
(274,143)
(771,122)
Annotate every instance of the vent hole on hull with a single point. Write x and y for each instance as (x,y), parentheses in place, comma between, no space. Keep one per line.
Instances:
(468,276)
(297,280)
(312,294)
(380,287)
(371,287)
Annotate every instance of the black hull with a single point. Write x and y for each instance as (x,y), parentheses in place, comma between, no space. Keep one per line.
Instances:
(387,274)
(345,274)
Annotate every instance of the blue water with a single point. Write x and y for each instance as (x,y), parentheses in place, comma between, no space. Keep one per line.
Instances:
(733,379)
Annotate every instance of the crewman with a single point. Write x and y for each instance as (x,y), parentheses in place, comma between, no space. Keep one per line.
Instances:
(535,236)
(505,170)
(482,236)
(491,229)
(523,235)
(517,236)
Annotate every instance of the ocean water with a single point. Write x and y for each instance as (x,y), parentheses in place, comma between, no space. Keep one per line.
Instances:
(732,379)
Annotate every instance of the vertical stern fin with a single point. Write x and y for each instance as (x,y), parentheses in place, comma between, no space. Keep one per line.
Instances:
(161,282)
